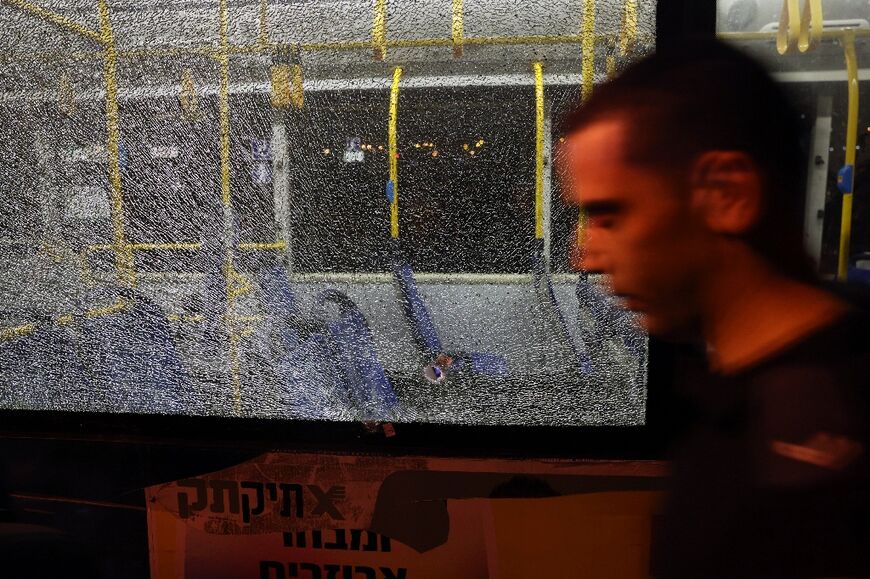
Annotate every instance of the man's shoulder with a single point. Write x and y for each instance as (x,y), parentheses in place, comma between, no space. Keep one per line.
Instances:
(841,345)
(811,404)
(830,361)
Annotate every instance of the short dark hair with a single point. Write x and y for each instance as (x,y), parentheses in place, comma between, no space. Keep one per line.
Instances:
(703,96)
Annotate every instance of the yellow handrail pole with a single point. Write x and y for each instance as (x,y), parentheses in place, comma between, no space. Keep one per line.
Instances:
(57,19)
(539,150)
(628,38)
(587,35)
(847,174)
(7,334)
(226,198)
(248,246)
(123,255)
(379,30)
(166,246)
(826,34)
(224,105)
(394,151)
(263,38)
(276,246)
(458,29)
(170,51)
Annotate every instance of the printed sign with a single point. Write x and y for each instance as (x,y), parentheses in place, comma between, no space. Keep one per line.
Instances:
(353,152)
(86,154)
(261,150)
(164,152)
(308,516)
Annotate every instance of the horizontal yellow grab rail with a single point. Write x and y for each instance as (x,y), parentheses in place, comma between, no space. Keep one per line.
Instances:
(838,34)
(276,246)
(7,334)
(275,47)
(11,333)
(247,246)
(56,19)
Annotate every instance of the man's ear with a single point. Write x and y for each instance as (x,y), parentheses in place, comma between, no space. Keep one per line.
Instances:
(726,191)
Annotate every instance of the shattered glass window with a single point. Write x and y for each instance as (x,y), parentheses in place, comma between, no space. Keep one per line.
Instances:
(339,210)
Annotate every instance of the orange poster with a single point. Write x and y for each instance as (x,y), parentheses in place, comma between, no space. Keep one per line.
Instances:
(329,516)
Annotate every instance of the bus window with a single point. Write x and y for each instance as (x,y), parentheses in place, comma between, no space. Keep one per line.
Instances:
(289,211)
(822,60)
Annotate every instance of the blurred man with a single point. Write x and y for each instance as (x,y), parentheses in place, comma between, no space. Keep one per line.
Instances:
(689,171)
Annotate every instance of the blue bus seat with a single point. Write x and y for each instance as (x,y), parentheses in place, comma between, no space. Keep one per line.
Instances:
(422,326)
(426,335)
(547,295)
(328,368)
(354,349)
(280,305)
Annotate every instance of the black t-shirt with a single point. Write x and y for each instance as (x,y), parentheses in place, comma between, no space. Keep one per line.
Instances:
(770,469)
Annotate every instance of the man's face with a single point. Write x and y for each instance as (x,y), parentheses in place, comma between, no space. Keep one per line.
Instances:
(639,229)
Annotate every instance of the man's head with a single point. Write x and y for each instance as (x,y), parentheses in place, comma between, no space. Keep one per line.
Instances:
(685,164)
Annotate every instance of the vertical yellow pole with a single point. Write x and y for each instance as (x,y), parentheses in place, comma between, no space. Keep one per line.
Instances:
(226,198)
(379,30)
(628,38)
(224,104)
(394,152)
(587,34)
(123,253)
(539,150)
(848,173)
(458,29)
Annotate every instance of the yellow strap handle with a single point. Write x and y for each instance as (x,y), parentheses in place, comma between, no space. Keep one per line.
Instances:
(587,34)
(539,150)
(458,29)
(263,33)
(610,66)
(812,25)
(287,86)
(394,152)
(789,27)
(187,96)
